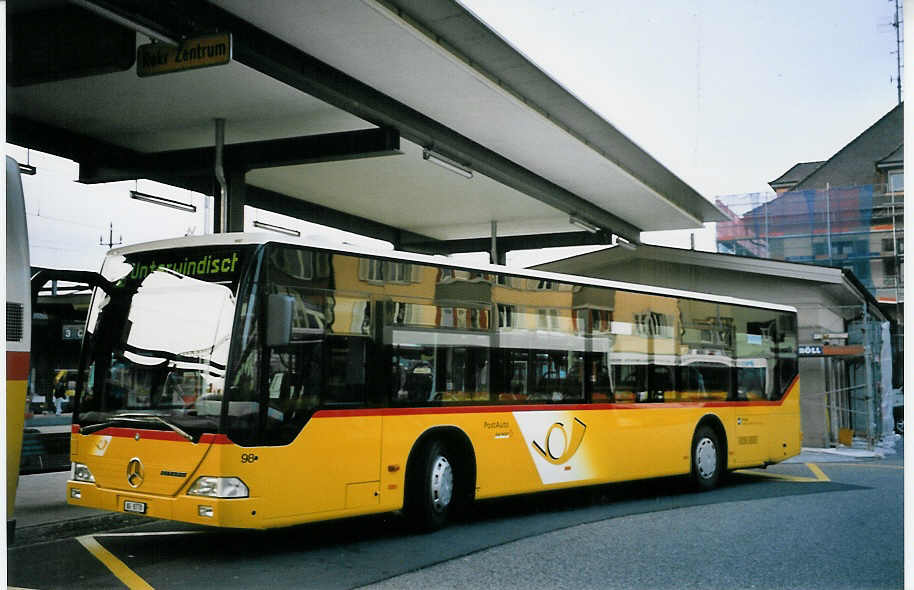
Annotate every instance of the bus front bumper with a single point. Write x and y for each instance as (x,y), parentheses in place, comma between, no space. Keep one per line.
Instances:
(225,512)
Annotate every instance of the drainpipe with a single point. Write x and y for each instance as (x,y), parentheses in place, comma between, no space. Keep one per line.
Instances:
(220,177)
(493,255)
(868,375)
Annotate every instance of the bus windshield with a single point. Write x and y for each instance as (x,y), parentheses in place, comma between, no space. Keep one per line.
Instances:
(157,341)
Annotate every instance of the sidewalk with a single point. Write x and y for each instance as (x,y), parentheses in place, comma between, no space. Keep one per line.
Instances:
(858,452)
(42,512)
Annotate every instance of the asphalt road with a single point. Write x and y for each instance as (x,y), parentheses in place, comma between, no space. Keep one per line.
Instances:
(832,525)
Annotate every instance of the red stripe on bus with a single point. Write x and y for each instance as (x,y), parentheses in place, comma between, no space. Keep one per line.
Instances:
(17,365)
(215,439)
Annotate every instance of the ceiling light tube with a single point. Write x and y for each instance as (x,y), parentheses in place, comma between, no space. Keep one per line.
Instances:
(99,9)
(163,201)
(277,229)
(618,241)
(446,163)
(27,169)
(583,224)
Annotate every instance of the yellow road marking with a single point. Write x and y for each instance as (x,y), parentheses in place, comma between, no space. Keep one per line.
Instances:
(117,567)
(820,475)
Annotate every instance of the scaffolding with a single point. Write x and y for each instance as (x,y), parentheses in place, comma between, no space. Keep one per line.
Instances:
(854,373)
(859,228)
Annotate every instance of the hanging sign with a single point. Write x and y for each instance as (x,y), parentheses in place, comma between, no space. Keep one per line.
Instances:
(202,52)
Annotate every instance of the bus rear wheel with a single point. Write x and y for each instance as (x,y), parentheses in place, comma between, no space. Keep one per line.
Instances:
(707,459)
(430,494)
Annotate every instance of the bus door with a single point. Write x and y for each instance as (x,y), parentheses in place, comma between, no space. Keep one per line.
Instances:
(750,422)
(326,452)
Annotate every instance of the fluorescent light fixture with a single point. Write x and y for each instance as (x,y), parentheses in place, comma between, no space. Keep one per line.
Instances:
(98,8)
(27,169)
(446,163)
(583,224)
(278,229)
(618,241)
(163,201)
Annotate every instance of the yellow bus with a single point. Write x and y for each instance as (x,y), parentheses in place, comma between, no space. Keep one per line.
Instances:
(18,333)
(249,381)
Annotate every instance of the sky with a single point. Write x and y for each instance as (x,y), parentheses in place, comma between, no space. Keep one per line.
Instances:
(726,94)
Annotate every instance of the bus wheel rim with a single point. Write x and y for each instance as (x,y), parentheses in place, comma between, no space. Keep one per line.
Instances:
(706,458)
(442,483)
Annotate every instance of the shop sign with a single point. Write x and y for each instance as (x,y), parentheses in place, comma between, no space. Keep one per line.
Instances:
(809,350)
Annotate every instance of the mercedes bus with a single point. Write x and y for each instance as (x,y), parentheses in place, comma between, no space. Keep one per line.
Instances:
(243,380)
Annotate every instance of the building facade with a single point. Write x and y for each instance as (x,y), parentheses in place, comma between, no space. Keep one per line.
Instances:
(846,211)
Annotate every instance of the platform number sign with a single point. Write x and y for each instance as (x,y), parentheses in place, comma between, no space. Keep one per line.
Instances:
(73,331)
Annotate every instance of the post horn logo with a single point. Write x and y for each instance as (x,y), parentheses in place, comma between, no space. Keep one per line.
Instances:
(135,473)
(558,447)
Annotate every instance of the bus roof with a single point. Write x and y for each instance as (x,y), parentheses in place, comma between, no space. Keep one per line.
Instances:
(228,239)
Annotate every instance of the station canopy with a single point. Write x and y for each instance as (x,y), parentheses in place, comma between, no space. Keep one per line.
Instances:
(336,112)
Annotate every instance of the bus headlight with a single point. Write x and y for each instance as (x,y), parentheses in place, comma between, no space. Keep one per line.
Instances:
(79,472)
(219,487)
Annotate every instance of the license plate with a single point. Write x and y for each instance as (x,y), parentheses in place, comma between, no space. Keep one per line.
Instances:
(138,507)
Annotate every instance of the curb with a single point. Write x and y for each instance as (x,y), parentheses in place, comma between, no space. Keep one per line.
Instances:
(833,456)
(75,527)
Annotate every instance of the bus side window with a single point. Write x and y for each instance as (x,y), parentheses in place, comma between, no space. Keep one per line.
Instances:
(630,383)
(660,384)
(345,379)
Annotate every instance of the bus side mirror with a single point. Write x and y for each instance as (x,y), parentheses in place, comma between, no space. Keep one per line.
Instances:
(279,320)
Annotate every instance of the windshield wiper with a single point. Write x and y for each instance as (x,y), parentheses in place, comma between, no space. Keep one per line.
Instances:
(141,418)
(102,425)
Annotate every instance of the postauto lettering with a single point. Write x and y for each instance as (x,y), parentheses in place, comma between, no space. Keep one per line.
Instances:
(207,265)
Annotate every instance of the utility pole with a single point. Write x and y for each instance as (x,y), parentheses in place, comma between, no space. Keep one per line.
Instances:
(111,243)
(897,24)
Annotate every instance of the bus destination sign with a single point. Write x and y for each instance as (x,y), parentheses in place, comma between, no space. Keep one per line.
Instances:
(201,52)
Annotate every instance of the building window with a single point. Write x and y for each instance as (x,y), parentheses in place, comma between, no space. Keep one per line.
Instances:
(896,182)
(371,270)
(399,272)
(547,319)
(506,316)
(654,325)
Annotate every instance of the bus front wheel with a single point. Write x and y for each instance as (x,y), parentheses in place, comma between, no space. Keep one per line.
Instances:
(431,492)
(707,459)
